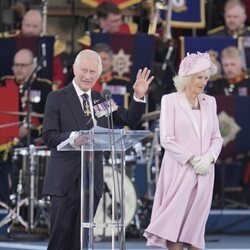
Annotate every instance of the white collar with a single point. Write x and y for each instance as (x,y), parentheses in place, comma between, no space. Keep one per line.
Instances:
(79,92)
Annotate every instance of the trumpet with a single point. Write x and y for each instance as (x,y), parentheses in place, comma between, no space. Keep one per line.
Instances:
(44,14)
(158,7)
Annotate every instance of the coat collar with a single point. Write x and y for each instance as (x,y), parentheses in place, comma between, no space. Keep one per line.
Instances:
(188,111)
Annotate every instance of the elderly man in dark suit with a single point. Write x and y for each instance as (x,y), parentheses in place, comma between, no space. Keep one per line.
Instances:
(67,111)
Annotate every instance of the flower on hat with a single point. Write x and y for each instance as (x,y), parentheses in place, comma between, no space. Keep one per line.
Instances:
(194,63)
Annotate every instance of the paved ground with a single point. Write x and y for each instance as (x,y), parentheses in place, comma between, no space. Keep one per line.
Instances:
(213,242)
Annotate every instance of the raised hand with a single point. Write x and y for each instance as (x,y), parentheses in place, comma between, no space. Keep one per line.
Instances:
(142,82)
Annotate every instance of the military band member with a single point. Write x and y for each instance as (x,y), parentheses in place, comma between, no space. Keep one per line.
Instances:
(234,17)
(235,80)
(110,21)
(120,87)
(23,66)
(32,25)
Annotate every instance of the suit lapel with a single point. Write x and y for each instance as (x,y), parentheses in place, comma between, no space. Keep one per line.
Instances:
(188,111)
(75,106)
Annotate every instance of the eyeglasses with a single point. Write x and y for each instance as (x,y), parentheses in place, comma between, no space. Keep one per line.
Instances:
(21,65)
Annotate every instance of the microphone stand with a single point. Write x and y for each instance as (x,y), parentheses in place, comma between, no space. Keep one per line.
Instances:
(121,238)
(167,60)
(31,149)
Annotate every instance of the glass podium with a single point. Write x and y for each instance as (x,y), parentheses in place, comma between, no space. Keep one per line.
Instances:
(88,142)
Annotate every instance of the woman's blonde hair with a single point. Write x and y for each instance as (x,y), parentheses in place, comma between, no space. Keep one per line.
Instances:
(180,82)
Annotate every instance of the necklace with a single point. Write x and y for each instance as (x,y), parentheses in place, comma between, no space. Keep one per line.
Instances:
(195,104)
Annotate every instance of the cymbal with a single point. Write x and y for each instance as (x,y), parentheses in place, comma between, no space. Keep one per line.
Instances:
(33,114)
(151,116)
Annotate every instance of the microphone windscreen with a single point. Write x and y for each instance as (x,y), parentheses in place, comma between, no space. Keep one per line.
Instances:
(106,93)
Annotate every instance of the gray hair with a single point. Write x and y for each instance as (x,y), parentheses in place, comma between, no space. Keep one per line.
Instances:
(180,82)
(88,53)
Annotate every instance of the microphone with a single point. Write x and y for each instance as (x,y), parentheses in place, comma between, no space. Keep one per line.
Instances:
(106,93)
(44,59)
(168,55)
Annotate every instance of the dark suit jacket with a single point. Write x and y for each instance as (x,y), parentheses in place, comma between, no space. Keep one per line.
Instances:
(64,114)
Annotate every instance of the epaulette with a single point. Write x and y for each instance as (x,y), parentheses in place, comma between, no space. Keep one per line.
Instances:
(44,80)
(9,34)
(59,47)
(121,78)
(215,30)
(133,27)
(86,38)
(7,146)
(7,77)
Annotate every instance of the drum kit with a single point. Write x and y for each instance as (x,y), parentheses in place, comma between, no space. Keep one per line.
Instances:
(142,169)
(27,179)
(28,210)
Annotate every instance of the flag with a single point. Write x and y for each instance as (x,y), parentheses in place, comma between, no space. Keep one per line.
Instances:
(234,125)
(9,46)
(188,14)
(122,4)
(131,52)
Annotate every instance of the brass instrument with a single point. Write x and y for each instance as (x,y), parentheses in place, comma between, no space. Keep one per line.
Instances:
(44,14)
(155,10)
(161,5)
(167,32)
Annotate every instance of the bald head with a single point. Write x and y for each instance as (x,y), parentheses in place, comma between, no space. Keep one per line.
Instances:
(23,65)
(32,23)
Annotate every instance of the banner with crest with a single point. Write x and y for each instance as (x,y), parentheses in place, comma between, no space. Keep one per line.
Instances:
(131,52)
(212,45)
(123,4)
(234,125)
(188,14)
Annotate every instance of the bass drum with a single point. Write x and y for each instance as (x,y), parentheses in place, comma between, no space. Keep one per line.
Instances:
(104,210)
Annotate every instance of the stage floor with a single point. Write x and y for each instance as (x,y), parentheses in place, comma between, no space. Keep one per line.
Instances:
(213,242)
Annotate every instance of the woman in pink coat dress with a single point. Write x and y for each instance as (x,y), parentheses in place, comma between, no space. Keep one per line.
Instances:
(189,133)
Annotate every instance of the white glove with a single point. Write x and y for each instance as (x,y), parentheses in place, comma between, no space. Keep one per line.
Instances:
(194,161)
(202,165)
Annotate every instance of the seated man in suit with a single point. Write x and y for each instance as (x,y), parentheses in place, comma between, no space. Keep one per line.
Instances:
(78,107)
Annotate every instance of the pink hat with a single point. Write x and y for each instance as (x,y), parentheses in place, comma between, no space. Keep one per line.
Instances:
(194,63)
